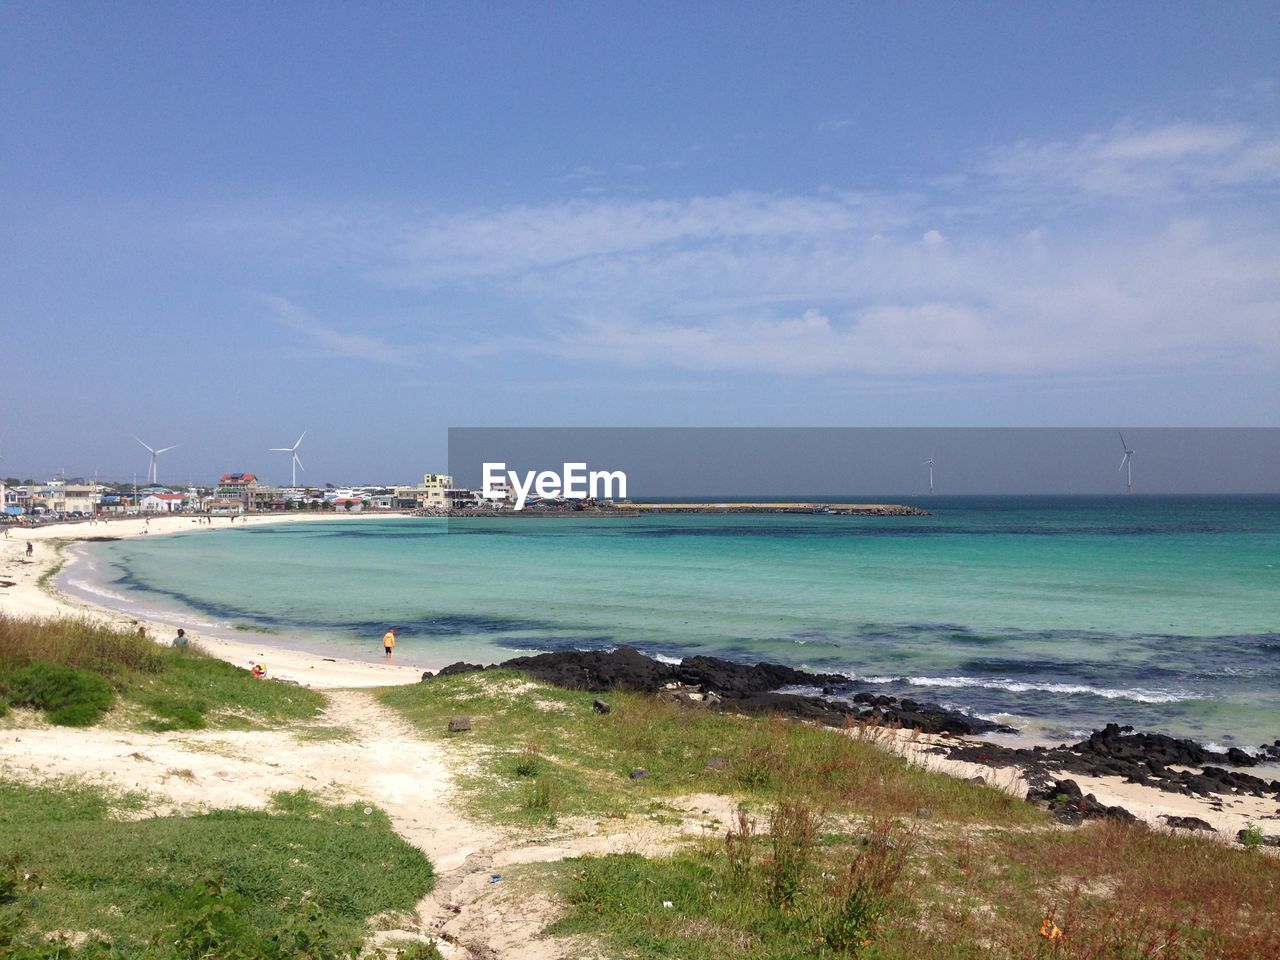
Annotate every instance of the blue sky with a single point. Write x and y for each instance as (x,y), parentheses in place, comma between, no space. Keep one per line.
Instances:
(223,224)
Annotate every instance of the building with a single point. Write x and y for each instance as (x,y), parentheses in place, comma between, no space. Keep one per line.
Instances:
(163,502)
(432,494)
(237,486)
(62,497)
(436,487)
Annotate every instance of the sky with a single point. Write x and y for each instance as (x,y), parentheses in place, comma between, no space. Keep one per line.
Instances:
(222,224)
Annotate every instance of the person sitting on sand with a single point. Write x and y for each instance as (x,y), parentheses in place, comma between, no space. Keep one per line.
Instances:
(180,641)
(259,670)
(389,641)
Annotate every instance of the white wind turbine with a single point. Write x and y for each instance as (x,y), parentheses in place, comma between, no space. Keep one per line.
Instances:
(296,463)
(1127,461)
(929,464)
(151,470)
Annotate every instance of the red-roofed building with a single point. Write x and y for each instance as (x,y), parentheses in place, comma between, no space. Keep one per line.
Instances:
(238,486)
(163,502)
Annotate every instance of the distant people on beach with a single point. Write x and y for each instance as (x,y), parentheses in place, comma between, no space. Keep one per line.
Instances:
(180,641)
(389,641)
(259,670)
(30,548)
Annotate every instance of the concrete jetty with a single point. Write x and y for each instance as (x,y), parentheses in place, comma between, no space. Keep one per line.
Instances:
(844,509)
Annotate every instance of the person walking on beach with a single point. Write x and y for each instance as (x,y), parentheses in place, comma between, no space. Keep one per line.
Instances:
(30,548)
(389,641)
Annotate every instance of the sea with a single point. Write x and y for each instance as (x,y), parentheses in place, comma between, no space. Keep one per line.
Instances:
(1056,615)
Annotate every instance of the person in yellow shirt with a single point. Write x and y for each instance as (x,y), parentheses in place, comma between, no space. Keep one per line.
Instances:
(389,641)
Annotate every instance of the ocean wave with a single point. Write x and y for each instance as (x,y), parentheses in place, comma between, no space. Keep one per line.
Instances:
(84,586)
(1023,686)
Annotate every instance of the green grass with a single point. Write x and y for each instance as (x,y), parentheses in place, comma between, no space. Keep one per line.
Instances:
(306,868)
(255,628)
(323,733)
(217,693)
(77,670)
(544,752)
(45,580)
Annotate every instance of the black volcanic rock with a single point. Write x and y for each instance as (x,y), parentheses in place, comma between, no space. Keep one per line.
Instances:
(623,668)
(1067,804)
(1188,823)
(728,678)
(1143,758)
(455,669)
(728,685)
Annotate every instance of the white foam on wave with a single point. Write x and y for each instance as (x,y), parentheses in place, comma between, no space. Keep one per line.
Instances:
(1021,686)
(93,589)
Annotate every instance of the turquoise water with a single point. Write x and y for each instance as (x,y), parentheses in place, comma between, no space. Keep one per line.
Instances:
(1061,613)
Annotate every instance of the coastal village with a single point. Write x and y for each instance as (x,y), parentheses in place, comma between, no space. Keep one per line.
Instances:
(233,494)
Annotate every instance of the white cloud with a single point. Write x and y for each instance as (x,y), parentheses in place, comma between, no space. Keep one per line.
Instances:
(1176,271)
(1128,161)
(339,343)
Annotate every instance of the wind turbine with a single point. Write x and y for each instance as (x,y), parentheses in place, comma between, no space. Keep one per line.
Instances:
(296,463)
(151,470)
(929,464)
(1127,461)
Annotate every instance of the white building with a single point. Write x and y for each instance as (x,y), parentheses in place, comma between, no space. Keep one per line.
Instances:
(163,502)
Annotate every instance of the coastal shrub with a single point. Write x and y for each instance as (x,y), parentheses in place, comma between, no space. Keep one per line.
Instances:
(863,897)
(69,697)
(74,642)
(175,690)
(739,848)
(1251,837)
(793,826)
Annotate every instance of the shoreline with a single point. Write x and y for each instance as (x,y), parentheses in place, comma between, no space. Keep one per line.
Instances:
(31,594)
(34,594)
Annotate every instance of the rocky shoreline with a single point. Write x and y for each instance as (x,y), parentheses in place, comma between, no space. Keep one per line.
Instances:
(711,682)
(1148,759)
